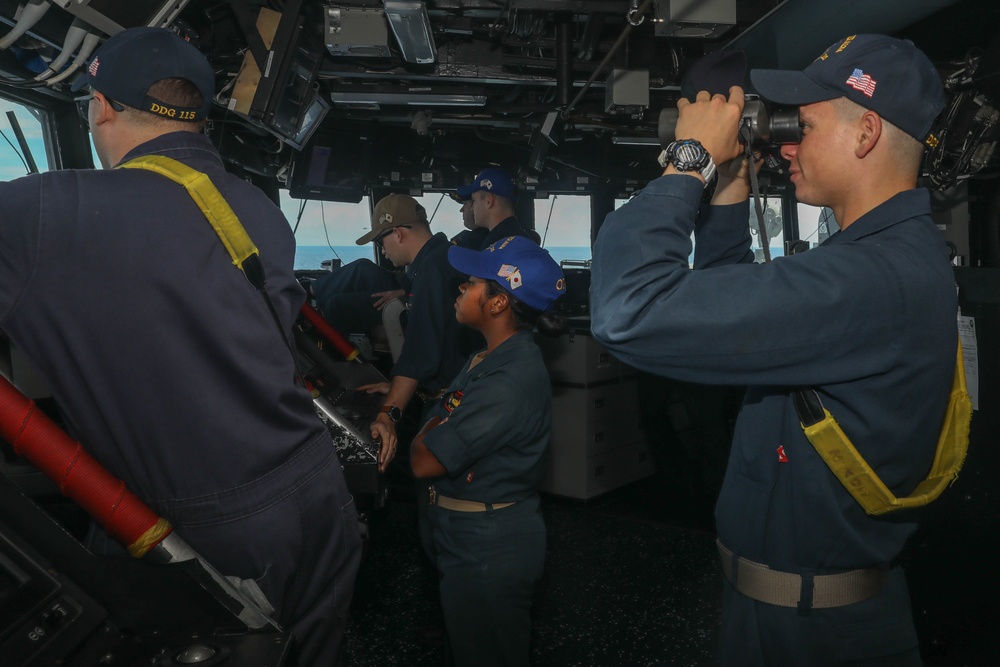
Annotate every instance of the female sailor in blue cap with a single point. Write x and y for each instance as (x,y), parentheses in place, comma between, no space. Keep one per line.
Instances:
(484,450)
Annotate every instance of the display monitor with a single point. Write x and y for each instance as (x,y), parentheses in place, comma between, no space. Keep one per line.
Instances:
(276,87)
(334,168)
(297,108)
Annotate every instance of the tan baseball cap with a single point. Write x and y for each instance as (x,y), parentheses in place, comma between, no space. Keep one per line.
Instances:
(391,211)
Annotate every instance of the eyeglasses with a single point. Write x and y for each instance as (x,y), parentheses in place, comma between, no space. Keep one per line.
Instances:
(83,105)
(378,239)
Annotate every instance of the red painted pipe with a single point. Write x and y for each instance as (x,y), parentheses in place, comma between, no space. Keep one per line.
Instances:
(79,476)
(335,338)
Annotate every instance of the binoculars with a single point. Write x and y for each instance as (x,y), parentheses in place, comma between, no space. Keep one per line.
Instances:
(766,125)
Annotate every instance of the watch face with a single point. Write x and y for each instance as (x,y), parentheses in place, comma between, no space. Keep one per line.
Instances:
(689,155)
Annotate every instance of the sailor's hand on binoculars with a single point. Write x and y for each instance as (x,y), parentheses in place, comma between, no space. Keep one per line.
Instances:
(734,179)
(714,121)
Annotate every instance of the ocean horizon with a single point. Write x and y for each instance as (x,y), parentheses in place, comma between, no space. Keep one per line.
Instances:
(310,257)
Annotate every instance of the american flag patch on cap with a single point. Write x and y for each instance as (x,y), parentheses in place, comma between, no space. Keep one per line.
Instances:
(861,81)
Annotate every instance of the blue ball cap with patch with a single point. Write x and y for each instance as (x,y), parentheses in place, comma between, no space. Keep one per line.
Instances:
(889,76)
(131,61)
(493,180)
(522,269)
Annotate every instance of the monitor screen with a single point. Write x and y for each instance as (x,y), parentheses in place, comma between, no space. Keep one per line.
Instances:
(299,108)
(334,168)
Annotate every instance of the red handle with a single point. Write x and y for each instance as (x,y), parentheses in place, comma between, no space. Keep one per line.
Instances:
(332,335)
(79,476)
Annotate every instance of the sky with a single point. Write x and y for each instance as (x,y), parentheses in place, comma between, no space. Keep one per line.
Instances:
(10,164)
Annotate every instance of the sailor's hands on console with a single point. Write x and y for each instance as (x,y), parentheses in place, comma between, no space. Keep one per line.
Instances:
(714,121)
(384,432)
(383,298)
(375,388)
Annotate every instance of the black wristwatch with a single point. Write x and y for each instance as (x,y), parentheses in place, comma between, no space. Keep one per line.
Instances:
(689,155)
(393,411)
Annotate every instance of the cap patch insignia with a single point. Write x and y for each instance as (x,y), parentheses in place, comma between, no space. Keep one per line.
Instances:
(486,183)
(506,270)
(453,401)
(861,81)
(512,274)
(385,218)
(94,64)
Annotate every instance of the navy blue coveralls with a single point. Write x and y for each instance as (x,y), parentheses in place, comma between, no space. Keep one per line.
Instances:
(493,440)
(345,295)
(435,344)
(171,372)
(507,227)
(470,238)
(868,318)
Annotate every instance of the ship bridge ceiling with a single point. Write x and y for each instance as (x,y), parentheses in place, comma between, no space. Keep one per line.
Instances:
(569,92)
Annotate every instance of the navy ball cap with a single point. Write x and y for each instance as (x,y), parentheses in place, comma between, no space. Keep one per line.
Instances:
(889,76)
(131,61)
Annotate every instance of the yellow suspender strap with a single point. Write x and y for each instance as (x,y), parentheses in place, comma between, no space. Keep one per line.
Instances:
(217,211)
(844,460)
(220,215)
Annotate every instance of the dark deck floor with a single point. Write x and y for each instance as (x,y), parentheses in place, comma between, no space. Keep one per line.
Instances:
(620,588)
(632,579)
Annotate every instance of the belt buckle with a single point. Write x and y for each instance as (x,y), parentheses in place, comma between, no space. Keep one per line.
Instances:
(431,495)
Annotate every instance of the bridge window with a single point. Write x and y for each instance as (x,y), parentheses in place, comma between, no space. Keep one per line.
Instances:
(329,230)
(563,222)
(816,224)
(13,162)
(773,226)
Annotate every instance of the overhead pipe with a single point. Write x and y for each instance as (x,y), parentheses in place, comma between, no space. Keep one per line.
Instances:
(31,13)
(74,38)
(90,43)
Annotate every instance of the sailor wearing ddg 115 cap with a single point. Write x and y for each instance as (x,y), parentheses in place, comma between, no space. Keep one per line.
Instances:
(867,318)
(128,66)
(485,446)
(190,399)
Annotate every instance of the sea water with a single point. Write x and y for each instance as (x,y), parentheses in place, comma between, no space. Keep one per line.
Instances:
(309,257)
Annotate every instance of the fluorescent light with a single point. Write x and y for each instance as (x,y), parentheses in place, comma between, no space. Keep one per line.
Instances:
(635,141)
(412,27)
(409,99)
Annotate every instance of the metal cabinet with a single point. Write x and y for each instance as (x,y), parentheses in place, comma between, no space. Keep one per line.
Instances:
(597,444)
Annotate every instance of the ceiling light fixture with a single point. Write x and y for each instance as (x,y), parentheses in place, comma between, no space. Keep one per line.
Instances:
(412,27)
